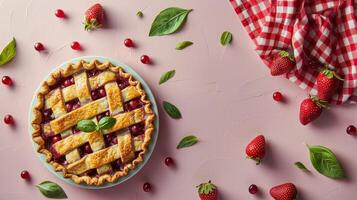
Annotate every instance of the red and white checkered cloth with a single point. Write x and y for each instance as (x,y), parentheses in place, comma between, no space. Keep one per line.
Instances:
(318,32)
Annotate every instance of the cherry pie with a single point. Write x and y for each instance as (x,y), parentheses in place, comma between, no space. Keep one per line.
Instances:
(91,91)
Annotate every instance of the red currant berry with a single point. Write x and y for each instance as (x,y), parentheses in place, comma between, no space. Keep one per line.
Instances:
(56,139)
(351,130)
(59,13)
(145,59)
(25,175)
(169,161)
(6,80)
(128,42)
(39,46)
(75,45)
(147,187)
(8,119)
(253,189)
(277,96)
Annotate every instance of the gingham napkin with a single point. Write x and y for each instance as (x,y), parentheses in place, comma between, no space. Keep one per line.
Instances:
(318,32)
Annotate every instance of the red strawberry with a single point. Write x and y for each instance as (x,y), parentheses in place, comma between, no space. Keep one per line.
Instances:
(311,109)
(282,63)
(207,191)
(94,17)
(327,84)
(286,191)
(255,150)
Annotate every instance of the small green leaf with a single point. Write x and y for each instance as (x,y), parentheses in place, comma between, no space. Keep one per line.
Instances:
(86,126)
(51,190)
(166,76)
(171,110)
(187,141)
(168,21)
(325,162)
(8,53)
(183,44)
(140,14)
(106,123)
(226,38)
(301,166)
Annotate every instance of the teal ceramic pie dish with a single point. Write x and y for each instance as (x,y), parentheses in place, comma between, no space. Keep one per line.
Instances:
(151,145)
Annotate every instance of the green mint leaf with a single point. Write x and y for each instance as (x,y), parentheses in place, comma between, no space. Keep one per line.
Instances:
(187,141)
(106,123)
(183,44)
(140,14)
(325,162)
(171,110)
(301,166)
(8,53)
(226,38)
(166,76)
(168,21)
(51,190)
(86,125)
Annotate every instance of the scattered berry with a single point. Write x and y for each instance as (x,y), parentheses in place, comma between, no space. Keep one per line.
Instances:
(6,80)
(75,45)
(145,59)
(146,187)
(282,63)
(39,46)
(9,120)
(169,161)
(277,96)
(94,17)
(207,191)
(128,42)
(255,150)
(59,13)
(25,175)
(286,191)
(327,83)
(310,109)
(351,130)
(253,189)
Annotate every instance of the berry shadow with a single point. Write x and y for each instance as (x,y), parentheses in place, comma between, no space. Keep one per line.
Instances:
(269,160)
(326,116)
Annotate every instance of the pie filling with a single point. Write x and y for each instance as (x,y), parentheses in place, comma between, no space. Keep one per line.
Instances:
(93,94)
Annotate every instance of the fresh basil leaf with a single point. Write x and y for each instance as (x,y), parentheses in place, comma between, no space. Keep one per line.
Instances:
(183,44)
(187,141)
(325,162)
(140,14)
(301,166)
(106,123)
(86,125)
(226,38)
(171,110)
(168,21)
(8,53)
(51,190)
(166,76)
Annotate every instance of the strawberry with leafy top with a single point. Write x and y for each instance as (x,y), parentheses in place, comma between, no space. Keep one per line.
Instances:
(94,17)
(310,109)
(282,63)
(255,150)
(207,191)
(286,191)
(327,83)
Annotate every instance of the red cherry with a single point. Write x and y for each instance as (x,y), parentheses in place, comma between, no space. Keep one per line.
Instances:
(134,104)
(145,59)
(102,92)
(6,80)
(67,82)
(75,45)
(8,119)
(128,42)
(146,187)
(25,175)
(56,139)
(88,149)
(169,161)
(135,129)
(59,13)
(277,96)
(39,46)
(351,130)
(76,106)
(253,189)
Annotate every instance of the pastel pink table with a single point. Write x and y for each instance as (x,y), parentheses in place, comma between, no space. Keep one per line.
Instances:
(224,94)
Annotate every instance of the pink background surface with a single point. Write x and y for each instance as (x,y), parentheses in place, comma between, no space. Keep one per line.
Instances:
(224,94)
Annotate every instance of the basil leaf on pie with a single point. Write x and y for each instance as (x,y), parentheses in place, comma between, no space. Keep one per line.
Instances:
(8,53)
(171,110)
(86,125)
(226,38)
(166,76)
(183,44)
(51,190)
(106,123)
(187,141)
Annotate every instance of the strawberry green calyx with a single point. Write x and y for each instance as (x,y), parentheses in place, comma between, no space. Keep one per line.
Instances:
(91,24)
(285,54)
(257,160)
(320,103)
(331,74)
(206,188)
